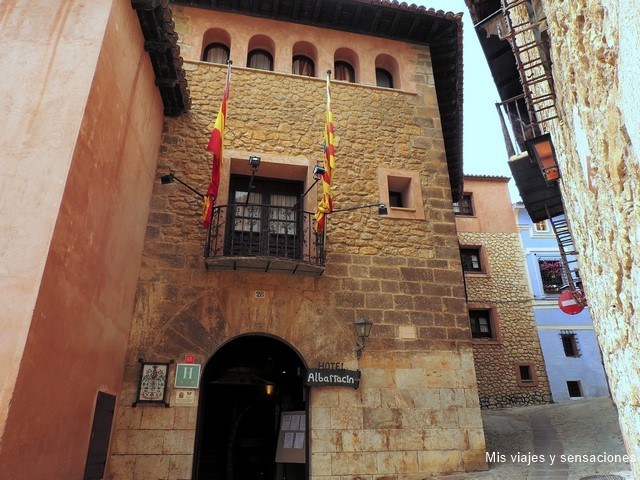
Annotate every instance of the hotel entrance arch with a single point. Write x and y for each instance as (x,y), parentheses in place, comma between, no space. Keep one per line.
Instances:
(245,387)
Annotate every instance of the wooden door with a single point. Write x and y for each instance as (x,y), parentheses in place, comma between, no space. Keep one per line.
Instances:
(100,435)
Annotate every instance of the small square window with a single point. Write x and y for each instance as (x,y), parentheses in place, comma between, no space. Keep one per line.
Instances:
(570,344)
(526,375)
(471,259)
(401,191)
(481,324)
(575,389)
(464,206)
(542,226)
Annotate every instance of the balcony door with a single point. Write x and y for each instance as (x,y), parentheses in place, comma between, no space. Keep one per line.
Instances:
(262,222)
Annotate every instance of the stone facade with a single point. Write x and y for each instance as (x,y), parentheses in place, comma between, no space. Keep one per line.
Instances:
(502,287)
(416,412)
(598,147)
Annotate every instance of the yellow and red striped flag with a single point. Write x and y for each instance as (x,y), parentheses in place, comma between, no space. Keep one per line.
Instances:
(326,202)
(215,147)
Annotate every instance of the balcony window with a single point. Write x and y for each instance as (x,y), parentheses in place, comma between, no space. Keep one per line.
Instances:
(264,229)
(264,223)
(551,274)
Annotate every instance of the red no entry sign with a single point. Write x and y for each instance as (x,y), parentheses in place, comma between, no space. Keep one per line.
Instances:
(571,302)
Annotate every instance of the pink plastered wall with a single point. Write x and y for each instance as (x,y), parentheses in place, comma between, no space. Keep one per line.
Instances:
(491,206)
(92,193)
(197,27)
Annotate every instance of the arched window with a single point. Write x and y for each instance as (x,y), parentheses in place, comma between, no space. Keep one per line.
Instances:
(303,65)
(216,53)
(260,59)
(344,71)
(383,78)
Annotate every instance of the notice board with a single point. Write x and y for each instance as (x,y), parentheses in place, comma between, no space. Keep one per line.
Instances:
(292,438)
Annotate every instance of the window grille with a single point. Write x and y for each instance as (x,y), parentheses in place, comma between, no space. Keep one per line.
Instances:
(551,274)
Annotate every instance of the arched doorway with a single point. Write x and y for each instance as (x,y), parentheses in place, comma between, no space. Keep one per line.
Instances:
(245,387)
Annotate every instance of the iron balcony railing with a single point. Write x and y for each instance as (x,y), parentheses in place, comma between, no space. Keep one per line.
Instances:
(517,127)
(266,231)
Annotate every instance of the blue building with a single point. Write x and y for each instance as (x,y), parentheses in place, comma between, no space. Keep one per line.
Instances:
(571,352)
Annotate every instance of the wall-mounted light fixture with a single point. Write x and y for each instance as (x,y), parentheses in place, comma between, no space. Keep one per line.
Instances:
(170,178)
(254,163)
(541,149)
(382,208)
(362,327)
(318,172)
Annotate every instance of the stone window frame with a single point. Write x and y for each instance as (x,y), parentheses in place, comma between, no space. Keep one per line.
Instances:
(407,183)
(494,322)
(485,270)
(532,370)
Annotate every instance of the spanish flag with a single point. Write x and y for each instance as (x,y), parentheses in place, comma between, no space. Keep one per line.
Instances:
(326,203)
(215,147)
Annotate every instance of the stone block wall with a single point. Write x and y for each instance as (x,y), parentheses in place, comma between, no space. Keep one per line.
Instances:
(505,288)
(597,143)
(416,413)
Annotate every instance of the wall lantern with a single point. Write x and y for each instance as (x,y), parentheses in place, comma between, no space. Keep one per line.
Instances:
(170,178)
(541,149)
(318,172)
(362,327)
(254,163)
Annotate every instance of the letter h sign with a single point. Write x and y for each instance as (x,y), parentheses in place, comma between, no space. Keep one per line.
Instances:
(187,375)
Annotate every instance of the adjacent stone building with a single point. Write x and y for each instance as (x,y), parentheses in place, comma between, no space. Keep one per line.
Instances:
(569,346)
(113,287)
(587,64)
(509,364)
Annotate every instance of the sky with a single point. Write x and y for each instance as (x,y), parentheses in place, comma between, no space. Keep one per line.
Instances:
(484,151)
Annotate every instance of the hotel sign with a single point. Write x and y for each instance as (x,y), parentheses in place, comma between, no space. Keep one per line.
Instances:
(321,377)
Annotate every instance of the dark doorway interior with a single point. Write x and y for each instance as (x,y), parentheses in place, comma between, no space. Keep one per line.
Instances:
(100,434)
(244,388)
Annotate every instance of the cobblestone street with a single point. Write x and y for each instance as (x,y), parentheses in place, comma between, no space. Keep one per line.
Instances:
(520,437)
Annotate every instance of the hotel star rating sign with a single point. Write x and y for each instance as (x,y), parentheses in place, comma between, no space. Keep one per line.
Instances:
(187,375)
